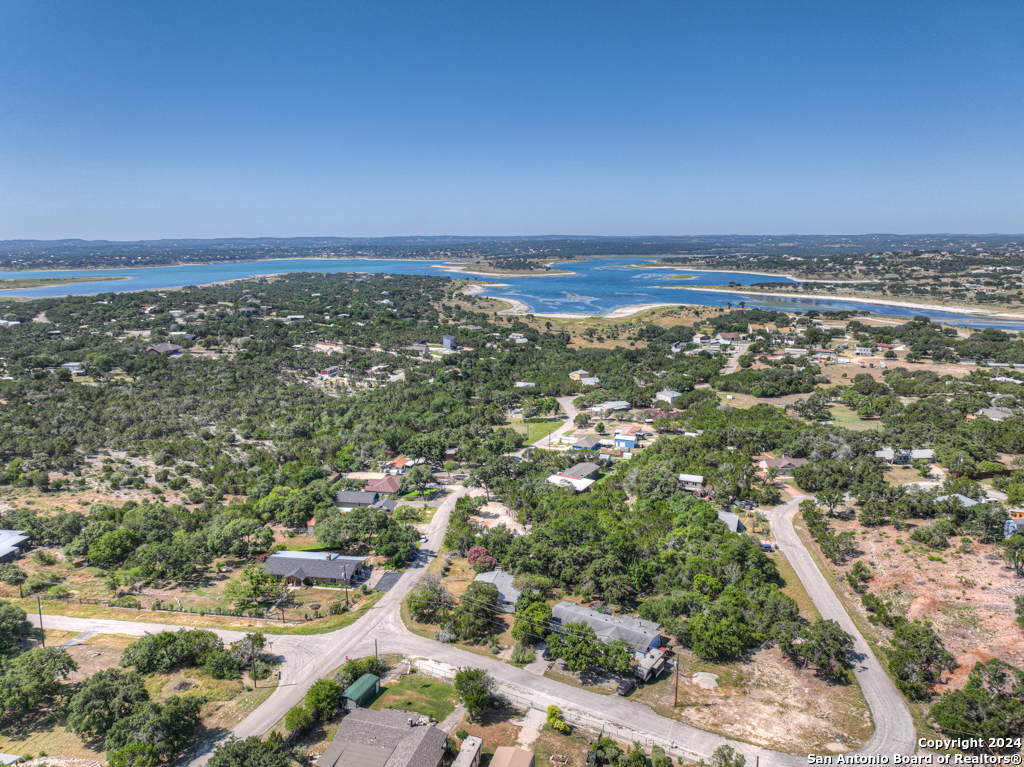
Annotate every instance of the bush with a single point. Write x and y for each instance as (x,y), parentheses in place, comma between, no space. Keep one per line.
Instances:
(555,720)
(130,603)
(461,734)
(169,650)
(58,592)
(42,557)
(931,536)
(298,719)
(324,698)
(445,635)
(221,664)
(522,653)
(357,667)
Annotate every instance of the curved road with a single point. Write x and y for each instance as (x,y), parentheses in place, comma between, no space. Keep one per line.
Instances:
(307,658)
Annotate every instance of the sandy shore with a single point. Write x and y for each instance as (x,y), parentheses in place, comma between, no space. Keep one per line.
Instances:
(456,269)
(845,299)
(755,274)
(519,307)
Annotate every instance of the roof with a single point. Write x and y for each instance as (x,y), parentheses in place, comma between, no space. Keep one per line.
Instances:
(640,634)
(165,348)
(580,373)
(506,591)
(400,461)
(469,753)
(619,404)
(964,500)
(301,568)
(590,380)
(359,497)
(510,756)
(587,443)
(580,470)
(889,454)
(1015,524)
(389,484)
(11,540)
(370,738)
(361,686)
(626,438)
(385,505)
(692,478)
(783,463)
(579,485)
(732,521)
(994,414)
(669,393)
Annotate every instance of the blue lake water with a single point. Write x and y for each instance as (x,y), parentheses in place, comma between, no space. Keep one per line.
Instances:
(598,285)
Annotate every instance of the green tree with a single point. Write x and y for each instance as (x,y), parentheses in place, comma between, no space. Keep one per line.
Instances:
(324,698)
(135,755)
(531,623)
(474,687)
(32,678)
(1013,553)
(474,616)
(431,602)
(251,752)
(419,476)
(1018,603)
(830,497)
(167,728)
(299,719)
(112,549)
(13,626)
(255,587)
(617,657)
(826,646)
(102,699)
(727,756)
(990,705)
(577,645)
(917,657)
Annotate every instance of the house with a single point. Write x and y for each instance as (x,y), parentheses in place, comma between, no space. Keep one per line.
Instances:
(899,457)
(182,334)
(10,544)
(576,375)
(730,337)
(76,368)
(640,634)
(296,567)
(388,485)
(387,738)
(386,505)
(751,329)
(994,414)
(692,482)
(963,499)
(448,342)
(347,500)
(667,395)
(587,443)
(732,521)
(863,351)
(1013,526)
(164,349)
(507,593)
(784,465)
(511,756)
(610,407)
(524,384)
(399,465)
(590,381)
(330,372)
(677,347)
(419,348)
(471,752)
(579,477)
(650,665)
(626,441)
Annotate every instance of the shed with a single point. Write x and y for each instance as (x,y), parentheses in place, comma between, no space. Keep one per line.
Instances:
(692,481)
(470,754)
(667,395)
(362,691)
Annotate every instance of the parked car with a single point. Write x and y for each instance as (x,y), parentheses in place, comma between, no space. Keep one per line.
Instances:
(625,687)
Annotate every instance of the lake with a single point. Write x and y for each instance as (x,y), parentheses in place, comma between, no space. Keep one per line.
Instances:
(598,285)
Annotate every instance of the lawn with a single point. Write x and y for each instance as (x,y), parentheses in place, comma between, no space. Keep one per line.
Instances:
(418,693)
(535,431)
(794,588)
(843,416)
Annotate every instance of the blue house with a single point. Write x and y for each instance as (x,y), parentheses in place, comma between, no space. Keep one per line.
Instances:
(625,441)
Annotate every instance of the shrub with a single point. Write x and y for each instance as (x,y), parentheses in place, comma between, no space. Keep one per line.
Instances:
(58,592)
(129,602)
(298,719)
(522,653)
(445,635)
(221,664)
(555,720)
(42,557)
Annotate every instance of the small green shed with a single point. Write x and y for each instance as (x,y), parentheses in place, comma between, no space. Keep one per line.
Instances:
(362,691)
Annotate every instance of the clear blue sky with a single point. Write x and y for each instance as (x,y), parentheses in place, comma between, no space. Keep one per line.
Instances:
(128,120)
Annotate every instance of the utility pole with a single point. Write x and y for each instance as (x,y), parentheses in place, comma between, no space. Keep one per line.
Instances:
(42,633)
(254,683)
(678,662)
(375,649)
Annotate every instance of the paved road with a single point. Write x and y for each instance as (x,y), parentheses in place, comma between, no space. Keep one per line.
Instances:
(307,658)
(734,360)
(894,728)
(570,411)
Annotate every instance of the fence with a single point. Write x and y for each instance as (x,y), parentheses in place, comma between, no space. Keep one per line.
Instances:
(601,727)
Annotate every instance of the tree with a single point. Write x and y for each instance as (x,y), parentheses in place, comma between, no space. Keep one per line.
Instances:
(531,623)
(582,420)
(449,467)
(31,678)
(167,728)
(324,698)
(727,756)
(1018,603)
(474,687)
(830,498)
(858,575)
(357,667)
(13,626)
(577,645)
(419,476)
(113,548)
(474,617)
(480,560)
(102,699)
(990,705)
(618,657)
(251,752)
(299,718)
(917,657)
(431,602)
(1013,553)
(254,588)
(825,645)
(169,650)
(600,428)
(135,755)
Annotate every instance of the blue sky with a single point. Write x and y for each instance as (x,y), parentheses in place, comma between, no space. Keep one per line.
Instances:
(129,120)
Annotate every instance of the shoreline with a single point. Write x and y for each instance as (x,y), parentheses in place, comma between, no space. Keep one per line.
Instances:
(430,261)
(521,308)
(456,269)
(845,299)
(755,274)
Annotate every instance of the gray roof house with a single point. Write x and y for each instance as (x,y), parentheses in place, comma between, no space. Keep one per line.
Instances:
(587,443)
(585,470)
(732,521)
(320,566)
(640,634)
(994,414)
(964,500)
(667,395)
(10,544)
(347,500)
(507,593)
(388,738)
(889,455)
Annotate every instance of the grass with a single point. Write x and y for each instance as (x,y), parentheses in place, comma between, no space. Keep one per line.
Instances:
(843,416)
(535,431)
(793,588)
(571,681)
(418,693)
